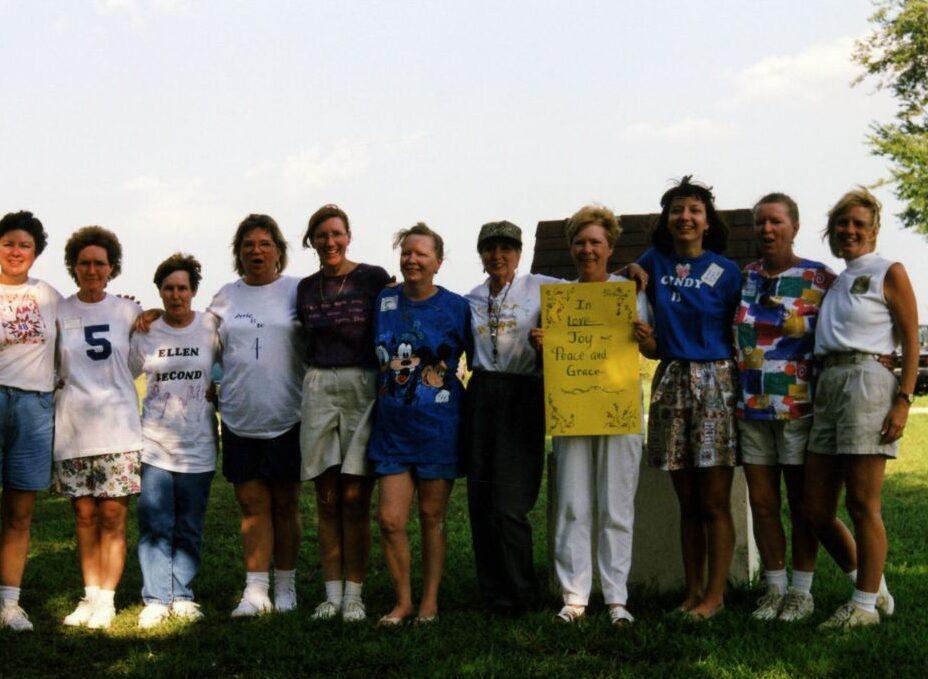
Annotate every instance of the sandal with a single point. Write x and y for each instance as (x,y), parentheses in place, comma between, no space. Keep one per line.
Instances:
(571,613)
(620,617)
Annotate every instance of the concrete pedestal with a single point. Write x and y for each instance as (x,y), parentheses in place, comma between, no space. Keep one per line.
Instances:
(656,559)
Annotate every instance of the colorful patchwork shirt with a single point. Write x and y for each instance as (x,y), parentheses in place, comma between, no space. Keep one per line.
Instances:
(774,330)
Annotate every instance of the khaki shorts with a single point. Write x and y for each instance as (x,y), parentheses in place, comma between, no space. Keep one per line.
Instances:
(851,402)
(107,475)
(773,442)
(338,404)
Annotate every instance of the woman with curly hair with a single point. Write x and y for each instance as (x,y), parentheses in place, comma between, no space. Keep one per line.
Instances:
(98,436)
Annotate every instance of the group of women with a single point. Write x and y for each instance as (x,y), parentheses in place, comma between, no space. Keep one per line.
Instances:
(347,379)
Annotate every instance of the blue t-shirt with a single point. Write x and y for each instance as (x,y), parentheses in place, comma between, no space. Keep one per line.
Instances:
(694,300)
(419,396)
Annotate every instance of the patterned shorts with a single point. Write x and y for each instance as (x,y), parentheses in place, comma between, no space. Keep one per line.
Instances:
(691,422)
(108,475)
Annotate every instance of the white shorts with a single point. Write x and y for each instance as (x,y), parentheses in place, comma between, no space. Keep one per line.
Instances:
(773,442)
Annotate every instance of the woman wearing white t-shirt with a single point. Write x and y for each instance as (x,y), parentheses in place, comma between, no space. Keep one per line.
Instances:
(597,476)
(860,407)
(179,429)
(97,432)
(27,380)
(262,361)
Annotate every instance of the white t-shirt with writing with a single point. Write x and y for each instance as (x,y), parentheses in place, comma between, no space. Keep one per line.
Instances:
(97,409)
(27,335)
(178,423)
(262,357)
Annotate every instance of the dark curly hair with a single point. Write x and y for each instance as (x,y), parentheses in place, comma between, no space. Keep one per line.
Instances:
(26,221)
(93,235)
(256,221)
(179,262)
(322,214)
(715,237)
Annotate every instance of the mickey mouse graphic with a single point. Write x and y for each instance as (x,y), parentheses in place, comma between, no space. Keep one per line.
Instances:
(409,366)
(436,372)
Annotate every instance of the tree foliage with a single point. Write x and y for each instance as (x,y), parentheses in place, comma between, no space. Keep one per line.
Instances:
(895,54)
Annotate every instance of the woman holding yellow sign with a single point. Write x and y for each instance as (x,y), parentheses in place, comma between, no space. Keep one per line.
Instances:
(691,429)
(597,476)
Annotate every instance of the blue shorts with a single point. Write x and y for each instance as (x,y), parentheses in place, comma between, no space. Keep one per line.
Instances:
(427,472)
(246,459)
(27,431)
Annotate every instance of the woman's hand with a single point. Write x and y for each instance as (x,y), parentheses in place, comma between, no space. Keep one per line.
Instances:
(144,320)
(536,338)
(647,340)
(894,422)
(635,273)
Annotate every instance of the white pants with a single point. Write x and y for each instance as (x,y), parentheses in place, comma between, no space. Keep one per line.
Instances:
(597,477)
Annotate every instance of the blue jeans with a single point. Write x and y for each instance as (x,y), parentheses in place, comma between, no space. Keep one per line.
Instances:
(26,434)
(172,510)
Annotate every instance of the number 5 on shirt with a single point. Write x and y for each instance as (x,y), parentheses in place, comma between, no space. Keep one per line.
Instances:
(102,347)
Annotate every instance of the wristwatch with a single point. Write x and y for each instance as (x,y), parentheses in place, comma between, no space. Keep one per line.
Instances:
(906,396)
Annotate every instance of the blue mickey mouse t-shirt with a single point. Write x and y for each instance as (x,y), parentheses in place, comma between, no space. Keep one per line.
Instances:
(419,396)
(694,301)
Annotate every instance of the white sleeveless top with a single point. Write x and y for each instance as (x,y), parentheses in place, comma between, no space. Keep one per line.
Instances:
(854,315)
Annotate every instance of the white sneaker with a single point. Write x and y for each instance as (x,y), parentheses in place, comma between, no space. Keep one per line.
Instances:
(102,616)
(769,605)
(187,610)
(850,615)
(153,615)
(620,617)
(285,600)
(570,613)
(796,606)
(885,603)
(326,610)
(81,614)
(14,617)
(250,607)
(353,610)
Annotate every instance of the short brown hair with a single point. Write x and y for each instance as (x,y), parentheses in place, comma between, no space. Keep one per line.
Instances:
(327,211)
(420,229)
(715,237)
(93,235)
(859,197)
(256,221)
(777,197)
(179,262)
(598,215)
(28,222)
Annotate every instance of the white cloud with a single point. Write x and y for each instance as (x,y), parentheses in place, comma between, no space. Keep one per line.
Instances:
(320,165)
(703,130)
(810,76)
(141,183)
(140,12)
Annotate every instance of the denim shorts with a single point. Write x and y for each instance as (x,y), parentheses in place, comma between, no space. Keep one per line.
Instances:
(27,430)
(425,472)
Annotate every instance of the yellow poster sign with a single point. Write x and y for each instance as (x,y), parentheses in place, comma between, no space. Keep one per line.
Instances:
(591,364)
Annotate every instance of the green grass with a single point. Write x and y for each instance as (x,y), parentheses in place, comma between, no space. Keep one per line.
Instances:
(465,641)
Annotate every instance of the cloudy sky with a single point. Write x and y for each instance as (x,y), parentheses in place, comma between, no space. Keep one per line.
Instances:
(170,120)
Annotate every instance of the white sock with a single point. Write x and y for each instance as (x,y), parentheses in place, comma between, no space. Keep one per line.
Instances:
(333,591)
(9,596)
(90,593)
(865,600)
(852,575)
(802,581)
(257,584)
(776,579)
(105,597)
(353,589)
(284,580)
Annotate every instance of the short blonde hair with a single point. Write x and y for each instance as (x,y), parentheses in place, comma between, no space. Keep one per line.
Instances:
(859,197)
(594,214)
(420,229)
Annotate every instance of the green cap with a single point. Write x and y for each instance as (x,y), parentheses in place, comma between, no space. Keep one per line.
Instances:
(504,230)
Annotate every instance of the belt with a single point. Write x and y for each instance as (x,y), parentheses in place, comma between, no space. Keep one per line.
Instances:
(852,358)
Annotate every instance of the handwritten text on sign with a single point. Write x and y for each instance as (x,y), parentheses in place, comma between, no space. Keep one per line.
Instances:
(590,359)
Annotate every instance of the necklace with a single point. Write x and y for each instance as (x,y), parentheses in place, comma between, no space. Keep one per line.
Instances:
(337,293)
(494,312)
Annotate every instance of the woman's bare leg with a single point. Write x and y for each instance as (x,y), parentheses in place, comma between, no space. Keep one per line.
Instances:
(433,501)
(396,491)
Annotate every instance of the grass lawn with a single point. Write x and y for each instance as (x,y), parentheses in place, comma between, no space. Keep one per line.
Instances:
(465,641)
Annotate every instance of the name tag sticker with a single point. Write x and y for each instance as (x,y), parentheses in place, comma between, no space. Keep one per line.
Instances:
(389,303)
(72,324)
(711,275)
